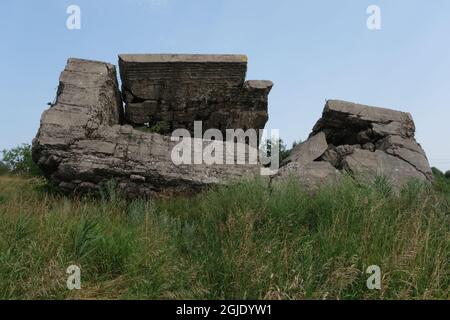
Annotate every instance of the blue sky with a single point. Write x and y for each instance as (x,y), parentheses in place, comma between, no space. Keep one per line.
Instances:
(312,50)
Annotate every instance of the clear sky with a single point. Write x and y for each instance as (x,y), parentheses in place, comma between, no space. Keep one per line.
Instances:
(312,50)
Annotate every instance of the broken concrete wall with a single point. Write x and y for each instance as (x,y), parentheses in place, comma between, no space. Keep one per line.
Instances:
(81,145)
(168,92)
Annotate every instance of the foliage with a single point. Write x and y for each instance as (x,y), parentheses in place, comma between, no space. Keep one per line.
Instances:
(284,151)
(19,161)
(447,174)
(271,144)
(441,181)
(161,127)
(437,173)
(4,169)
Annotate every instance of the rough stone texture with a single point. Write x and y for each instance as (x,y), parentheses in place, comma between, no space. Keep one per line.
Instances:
(87,97)
(309,150)
(184,77)
(311,176)
(350,123)
(366,164)
(171,91)
(407,150)
(364,141)
(81,145)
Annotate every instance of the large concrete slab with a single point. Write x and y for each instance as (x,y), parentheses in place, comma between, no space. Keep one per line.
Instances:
(175,90)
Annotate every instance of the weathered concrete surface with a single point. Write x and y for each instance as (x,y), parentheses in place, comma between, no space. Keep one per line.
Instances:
(81,145)
(87,97)
(309,150)
(407,150)
(363,141)
(185,77)
(171,91)
(350,123)
(311,176)
(366,165)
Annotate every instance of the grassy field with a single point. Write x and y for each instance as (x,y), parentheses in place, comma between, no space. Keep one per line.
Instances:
(240,242)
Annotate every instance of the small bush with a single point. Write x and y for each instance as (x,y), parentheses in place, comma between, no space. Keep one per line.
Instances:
(4,169)
(161,127)
(437,173)
(19,161)
(441,181)
(270,144)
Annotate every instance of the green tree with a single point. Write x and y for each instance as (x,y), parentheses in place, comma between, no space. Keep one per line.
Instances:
(447,174)
(272,144)
(437,173)
(283,150)
(4,169)
(19,161)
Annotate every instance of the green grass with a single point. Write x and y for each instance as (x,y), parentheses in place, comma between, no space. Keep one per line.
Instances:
(240,242)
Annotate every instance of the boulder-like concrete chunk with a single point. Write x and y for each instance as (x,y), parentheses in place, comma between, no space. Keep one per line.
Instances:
(309,150)
(365,164)
(87,96)
(350,123)
(364,141)
(407,150)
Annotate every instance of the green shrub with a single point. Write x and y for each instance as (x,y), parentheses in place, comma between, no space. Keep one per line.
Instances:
(19,161)
(437,173)
(161,127)
(283,151)
(4,169)
(441,181)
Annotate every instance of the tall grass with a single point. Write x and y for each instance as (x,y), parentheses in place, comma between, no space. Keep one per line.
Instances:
(239,242)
